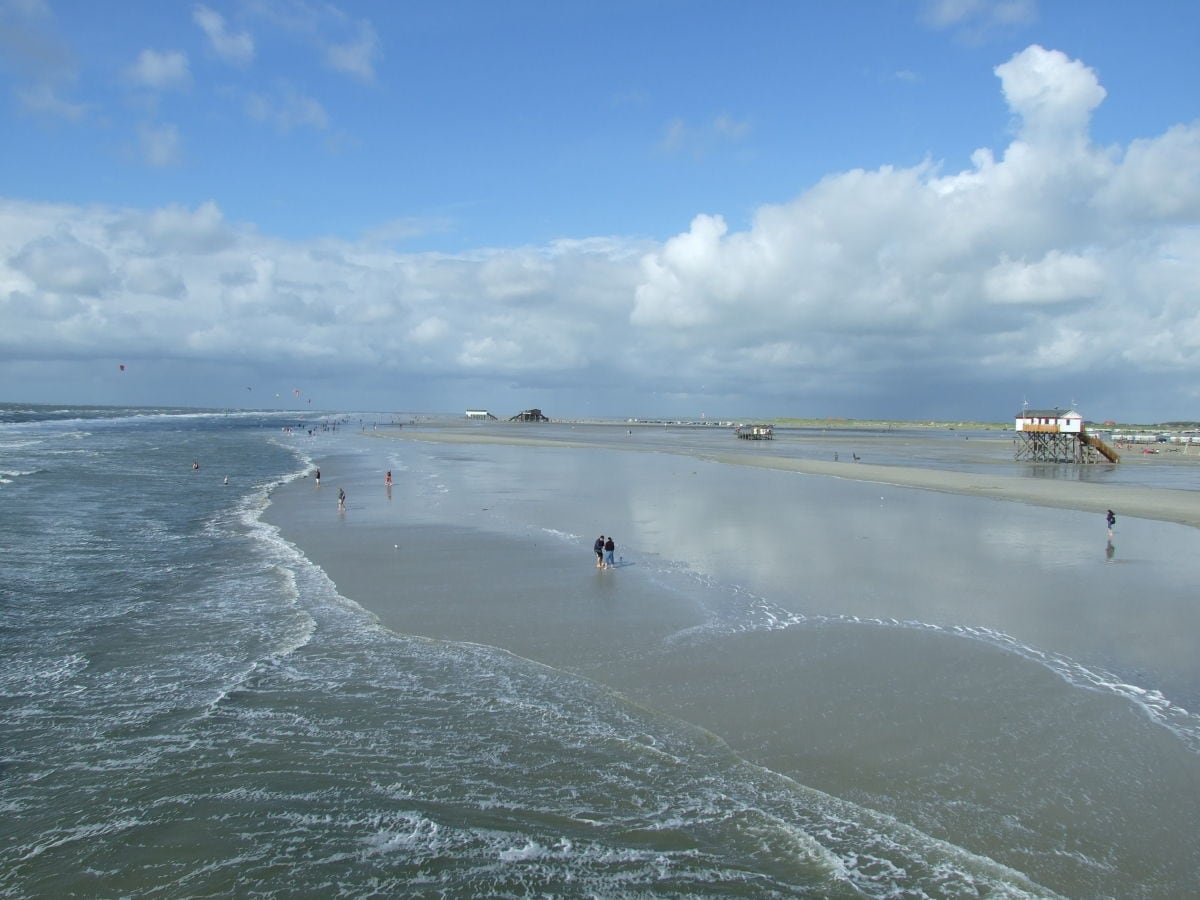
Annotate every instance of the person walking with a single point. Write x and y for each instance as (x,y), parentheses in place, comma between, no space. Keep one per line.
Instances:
(609,548)
(1111,518)
(341,499)
(388,478)
(598,548)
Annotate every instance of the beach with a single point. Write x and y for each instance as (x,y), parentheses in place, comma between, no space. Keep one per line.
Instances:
(967,653)
(927,672)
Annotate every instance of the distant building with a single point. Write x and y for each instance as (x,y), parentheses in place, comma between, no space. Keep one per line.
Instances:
(529,415)
(755,432)
(480,414)
(1049,421)
(1057,435)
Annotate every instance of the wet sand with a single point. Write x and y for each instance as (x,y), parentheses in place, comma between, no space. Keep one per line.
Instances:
(956,730)
(1163,504)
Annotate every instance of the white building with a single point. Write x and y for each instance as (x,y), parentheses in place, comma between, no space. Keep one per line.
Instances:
(1050,421)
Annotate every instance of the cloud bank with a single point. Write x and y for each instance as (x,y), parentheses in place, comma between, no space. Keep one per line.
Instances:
(1056,267)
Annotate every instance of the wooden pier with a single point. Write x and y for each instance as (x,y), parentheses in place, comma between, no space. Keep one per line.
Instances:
(1059,436)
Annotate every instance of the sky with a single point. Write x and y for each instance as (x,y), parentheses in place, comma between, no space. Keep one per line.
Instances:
(896,209)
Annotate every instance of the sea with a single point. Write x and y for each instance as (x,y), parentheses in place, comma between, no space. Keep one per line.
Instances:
(190,708)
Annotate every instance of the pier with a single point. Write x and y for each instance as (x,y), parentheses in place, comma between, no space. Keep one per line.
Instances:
(1054,435)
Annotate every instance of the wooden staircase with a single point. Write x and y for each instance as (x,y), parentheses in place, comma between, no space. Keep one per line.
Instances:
(1102,448)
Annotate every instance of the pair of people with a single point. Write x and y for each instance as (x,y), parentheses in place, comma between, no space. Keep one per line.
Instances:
(604,549)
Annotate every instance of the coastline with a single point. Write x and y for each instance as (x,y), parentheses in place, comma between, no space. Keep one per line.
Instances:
(1161,504)
(907,657)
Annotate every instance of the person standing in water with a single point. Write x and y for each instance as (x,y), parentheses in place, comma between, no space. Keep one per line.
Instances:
(388,478)
(317,475)
(610,548)
(598,547)
(341,499)
(1111,518)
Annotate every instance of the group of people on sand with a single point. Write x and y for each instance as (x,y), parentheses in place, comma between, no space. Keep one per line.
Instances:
(605,547)
(387,480)
(341,491)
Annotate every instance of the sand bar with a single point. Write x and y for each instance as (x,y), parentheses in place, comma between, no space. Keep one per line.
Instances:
(1162,504)
(997,743)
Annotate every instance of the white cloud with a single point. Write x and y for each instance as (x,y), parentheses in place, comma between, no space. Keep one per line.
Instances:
(1058,277)
(680,137)
(44,100)
(1052,94)
(62,264)
(974,19)
(346,45)
(1049,259)
(236,48)
(1158,180)
(914,265)
(286,110)
(428,330)
(173,230)
(728,127)
(356,56)
(160,71)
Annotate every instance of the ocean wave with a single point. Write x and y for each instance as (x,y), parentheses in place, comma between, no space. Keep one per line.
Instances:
(751,612)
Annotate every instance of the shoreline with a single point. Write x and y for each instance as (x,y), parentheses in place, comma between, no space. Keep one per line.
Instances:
(877,654)
(1160,504)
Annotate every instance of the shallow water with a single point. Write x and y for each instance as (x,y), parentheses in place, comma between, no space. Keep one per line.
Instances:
(190,707)
(1052,638)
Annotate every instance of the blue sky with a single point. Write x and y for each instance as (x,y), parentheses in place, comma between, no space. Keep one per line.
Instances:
(891,209)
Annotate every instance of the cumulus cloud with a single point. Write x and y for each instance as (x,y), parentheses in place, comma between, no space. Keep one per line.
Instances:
(1005,263)
(62,264)
(1056,278)
(170,231)
(907,291)
(1054,96)
(235,48)
(160,71)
